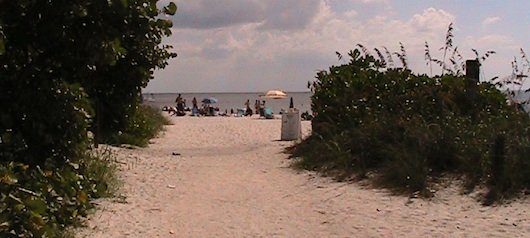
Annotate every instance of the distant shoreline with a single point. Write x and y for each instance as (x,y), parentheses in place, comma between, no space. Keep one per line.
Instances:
(144,93)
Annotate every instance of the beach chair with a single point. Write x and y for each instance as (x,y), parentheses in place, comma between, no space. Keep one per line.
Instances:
(240,112)
(267,113)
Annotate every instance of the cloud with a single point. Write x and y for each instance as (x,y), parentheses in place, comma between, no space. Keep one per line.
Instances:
(252,56)
(432,19)
(490,20)
(271,14)
(282,43)
(290,14)
(491,41)
(371,1)
(205,14)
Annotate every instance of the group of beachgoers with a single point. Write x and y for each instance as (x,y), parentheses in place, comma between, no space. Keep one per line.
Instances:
(206,109)
(181,109)
(259,107)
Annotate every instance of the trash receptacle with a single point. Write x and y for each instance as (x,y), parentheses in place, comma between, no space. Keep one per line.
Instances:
(291,125)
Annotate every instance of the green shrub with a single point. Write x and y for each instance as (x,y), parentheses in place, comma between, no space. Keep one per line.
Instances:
(408,128)
(65,63)
(42,201)
(145,123)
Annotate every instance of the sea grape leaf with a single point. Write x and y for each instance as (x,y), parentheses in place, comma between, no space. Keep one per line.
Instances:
(170,9)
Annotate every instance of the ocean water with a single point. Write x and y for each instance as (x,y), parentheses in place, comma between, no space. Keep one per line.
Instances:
(227,101)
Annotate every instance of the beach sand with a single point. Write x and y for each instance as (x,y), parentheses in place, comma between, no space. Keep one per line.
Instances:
(229,177)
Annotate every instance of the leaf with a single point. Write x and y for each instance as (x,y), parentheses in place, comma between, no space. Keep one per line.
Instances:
(170,9)
(2,46)
(338,55)
(82,196)
(364,50)
(37,205)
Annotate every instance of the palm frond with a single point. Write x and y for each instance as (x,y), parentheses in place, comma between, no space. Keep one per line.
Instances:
(403,55)
(487,55)
(364,50)
(390,60)
(381,57)
(427,51)
(477,57)
(339,55)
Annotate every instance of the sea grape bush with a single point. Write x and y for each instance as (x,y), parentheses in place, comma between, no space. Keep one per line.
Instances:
(403,129)
(43,201)
(68,69)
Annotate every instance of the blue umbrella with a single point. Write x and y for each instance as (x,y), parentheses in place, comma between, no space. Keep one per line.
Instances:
(209,100)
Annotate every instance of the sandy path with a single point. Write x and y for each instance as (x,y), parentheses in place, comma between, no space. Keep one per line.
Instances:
(232,180)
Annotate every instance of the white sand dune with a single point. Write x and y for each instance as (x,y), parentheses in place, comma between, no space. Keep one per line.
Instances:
(232,179)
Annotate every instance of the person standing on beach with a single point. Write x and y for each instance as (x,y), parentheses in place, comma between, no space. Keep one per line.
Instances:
(178,99)
(195,107)
(194,102)
(248,111)
(256,106)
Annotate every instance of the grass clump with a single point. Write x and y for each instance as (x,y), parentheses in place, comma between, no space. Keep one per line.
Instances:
(404,130)
(145,123)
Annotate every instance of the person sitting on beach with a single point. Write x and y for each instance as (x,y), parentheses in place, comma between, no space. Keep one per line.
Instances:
(180,105)
(172,111)
(262,109)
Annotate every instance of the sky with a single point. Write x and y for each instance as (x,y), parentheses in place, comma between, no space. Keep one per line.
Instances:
(257,45)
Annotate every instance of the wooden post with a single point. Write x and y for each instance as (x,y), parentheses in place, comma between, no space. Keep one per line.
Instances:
(471,84)
(472,71)
(496,180)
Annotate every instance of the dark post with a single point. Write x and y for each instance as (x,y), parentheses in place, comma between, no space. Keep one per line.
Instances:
(472,72)
(472,80)
(496,180)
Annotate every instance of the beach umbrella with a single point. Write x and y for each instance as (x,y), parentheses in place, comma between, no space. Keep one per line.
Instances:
(209,100)
(275,94)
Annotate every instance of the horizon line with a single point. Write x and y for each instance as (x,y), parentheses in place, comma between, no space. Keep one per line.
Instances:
(220,92)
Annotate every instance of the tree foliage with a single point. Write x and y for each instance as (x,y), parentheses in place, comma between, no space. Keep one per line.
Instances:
(68,67)
(105,49)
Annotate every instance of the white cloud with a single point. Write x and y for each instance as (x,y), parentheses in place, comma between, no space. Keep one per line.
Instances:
(432,19)
(241,54)
(271,14)
(285,42)
(491,41)
(371,1)
(490,20)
